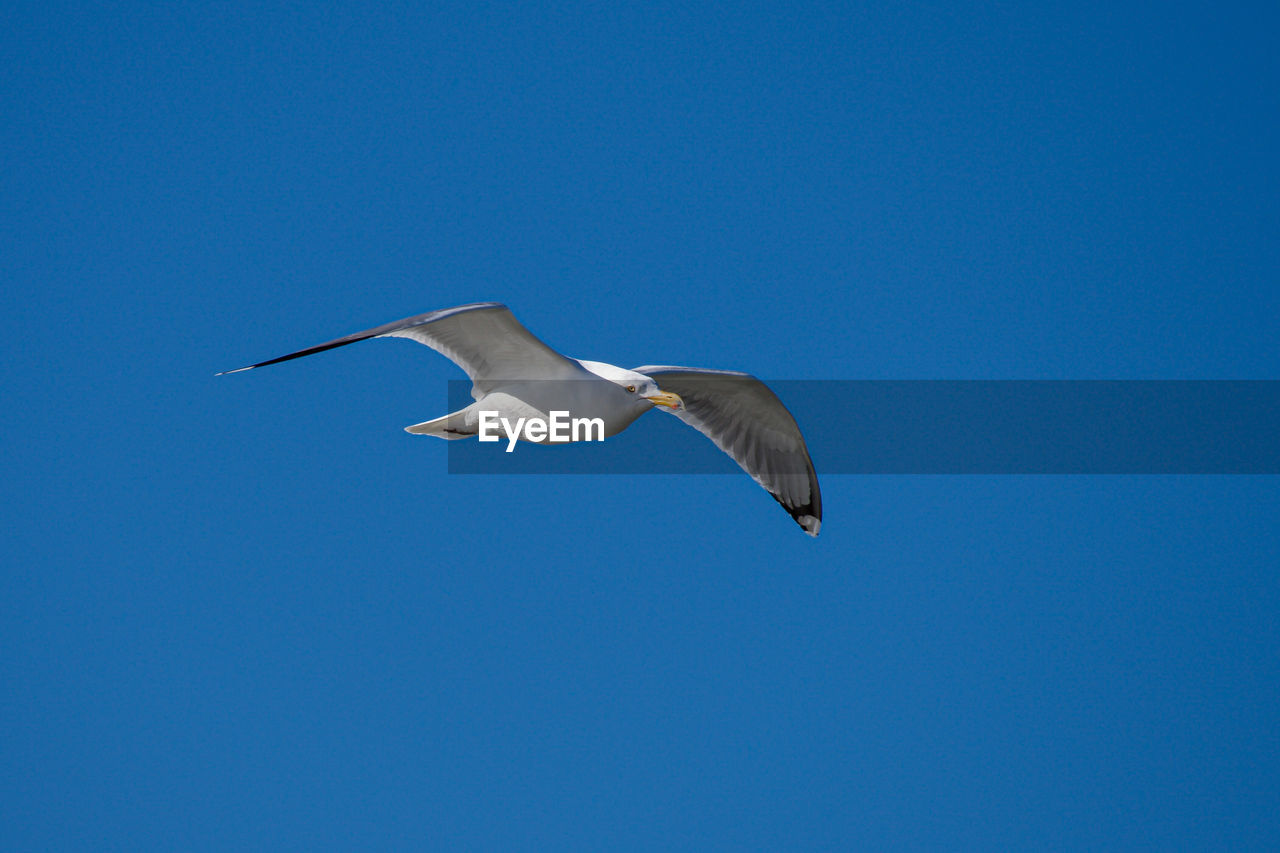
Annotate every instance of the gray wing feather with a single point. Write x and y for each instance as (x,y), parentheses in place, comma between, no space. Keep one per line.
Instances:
(483,338)
(747,421)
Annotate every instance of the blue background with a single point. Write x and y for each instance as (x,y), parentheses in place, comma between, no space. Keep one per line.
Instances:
(250,612)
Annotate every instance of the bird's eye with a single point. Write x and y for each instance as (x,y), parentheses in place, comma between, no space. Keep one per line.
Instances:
(631,388)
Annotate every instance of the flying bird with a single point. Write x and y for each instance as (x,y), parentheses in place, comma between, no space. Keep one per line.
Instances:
(518,376)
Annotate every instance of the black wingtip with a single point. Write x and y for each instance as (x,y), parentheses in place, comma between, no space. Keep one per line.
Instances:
(809,516)
(810,524)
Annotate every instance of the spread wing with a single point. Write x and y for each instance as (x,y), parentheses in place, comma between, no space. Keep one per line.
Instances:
(483,338)
(747,421)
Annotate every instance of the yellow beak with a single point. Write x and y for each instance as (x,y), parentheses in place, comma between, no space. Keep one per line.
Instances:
(666,398)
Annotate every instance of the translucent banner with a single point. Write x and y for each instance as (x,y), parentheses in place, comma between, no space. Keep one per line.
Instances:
(949,427)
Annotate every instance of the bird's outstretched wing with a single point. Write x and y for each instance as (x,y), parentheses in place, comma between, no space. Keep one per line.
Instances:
(483,338)
(747,421)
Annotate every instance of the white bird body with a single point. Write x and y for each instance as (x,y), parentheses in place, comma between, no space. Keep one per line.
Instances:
(516,376)
(589,396)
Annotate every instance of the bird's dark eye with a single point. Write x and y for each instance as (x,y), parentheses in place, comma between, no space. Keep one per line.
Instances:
(631,388)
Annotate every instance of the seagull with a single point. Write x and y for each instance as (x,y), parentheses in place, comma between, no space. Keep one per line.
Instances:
(517,376)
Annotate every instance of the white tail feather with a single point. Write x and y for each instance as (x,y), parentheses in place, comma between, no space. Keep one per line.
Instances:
(452,426)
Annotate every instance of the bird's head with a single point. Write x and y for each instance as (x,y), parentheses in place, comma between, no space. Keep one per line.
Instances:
(650,391)
(637,384)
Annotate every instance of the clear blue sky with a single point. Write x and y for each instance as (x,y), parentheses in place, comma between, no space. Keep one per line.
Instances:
(251,612)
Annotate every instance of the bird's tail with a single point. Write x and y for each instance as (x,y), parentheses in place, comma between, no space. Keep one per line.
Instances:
(452,426)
